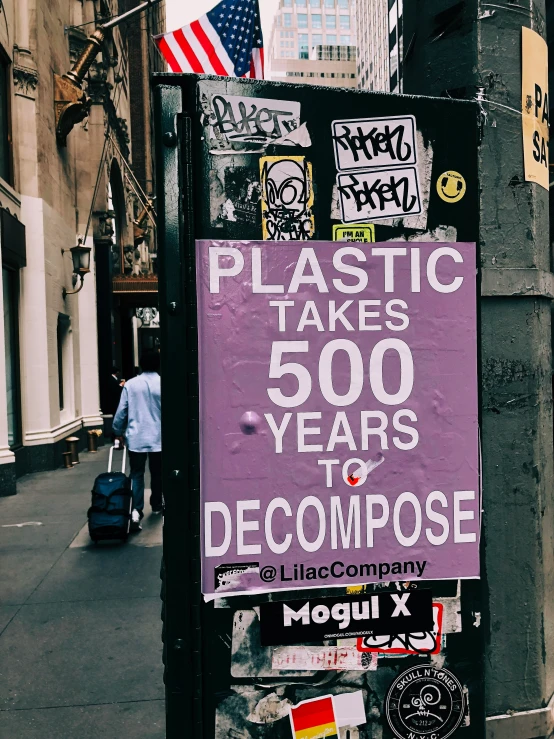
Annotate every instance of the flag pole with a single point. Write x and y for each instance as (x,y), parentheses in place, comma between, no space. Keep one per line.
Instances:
(70,101)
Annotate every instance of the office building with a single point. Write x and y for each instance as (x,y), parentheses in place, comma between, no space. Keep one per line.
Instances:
(380,44)
(314,42)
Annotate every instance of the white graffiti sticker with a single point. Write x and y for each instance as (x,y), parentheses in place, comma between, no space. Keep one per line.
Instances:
(365,143)
(373,195)
(252,120)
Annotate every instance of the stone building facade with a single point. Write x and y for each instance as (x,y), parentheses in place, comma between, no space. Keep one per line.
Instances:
(49,370)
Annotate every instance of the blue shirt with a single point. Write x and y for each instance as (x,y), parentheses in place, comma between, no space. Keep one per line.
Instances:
(139,414)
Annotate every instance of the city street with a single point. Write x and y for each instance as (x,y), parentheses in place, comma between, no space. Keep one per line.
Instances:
(80,629)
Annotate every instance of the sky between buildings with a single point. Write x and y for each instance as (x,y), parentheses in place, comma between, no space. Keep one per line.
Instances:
(181,12)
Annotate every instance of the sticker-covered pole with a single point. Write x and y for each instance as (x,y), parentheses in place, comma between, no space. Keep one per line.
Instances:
(483,53)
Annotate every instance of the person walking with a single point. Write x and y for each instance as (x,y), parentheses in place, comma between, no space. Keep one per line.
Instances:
(138,417)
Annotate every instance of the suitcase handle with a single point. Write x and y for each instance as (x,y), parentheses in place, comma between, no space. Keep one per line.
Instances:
(124,458)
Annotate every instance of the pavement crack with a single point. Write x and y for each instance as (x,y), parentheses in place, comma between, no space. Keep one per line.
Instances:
(84,705)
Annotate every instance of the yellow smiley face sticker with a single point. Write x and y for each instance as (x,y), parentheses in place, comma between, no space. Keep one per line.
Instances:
(451,186)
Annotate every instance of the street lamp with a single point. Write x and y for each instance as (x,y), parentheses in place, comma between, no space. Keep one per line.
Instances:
(81,265)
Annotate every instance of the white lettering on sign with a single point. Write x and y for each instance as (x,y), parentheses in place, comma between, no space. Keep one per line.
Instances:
(343,612)
(374,142)
(355,367)
(228,262)
(409,514)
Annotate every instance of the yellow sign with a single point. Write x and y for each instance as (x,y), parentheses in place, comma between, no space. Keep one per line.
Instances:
(364,232)
(451,186)
(534,106)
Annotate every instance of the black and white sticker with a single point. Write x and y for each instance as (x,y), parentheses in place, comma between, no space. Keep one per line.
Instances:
(364,143)
(377,165)
(301,621)
(252,120)
(425,702)
(378,194)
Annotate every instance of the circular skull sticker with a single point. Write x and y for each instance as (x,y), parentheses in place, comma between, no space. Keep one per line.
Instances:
(425,702)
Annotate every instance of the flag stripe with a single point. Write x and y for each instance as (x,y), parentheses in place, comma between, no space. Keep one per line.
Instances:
(219,49)
(168,54)
(226,41)
(190,56)
(258,63)
(198,50)
(208,47)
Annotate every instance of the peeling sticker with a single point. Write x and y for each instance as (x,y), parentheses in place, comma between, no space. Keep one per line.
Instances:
(242,193)
(287,198)
(360,232)
(299,137)
(234,122)
(228,576)
(424,169)
(322,658)
(270,709)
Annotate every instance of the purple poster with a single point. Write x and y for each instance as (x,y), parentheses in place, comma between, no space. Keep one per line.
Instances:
(338,413)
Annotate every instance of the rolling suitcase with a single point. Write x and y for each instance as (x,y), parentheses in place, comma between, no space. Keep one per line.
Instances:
(109,516)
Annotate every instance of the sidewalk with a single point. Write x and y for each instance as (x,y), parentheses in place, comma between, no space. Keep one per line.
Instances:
(80,628)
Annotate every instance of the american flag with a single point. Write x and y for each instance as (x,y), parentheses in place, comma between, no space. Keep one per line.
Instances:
(226,41)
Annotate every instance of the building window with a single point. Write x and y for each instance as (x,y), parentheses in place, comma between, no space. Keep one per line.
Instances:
(317,39)
(302,19)
(329,3)
(345,40)
(10,286)
(301,3)
(343,3)
(5,127)
(330,21)
(316,20)
(345,22)
(303,46)
(287,3)
(315,3)
(331,38)
(287,19)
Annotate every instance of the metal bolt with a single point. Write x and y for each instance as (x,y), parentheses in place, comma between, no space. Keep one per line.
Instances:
(170,139)
(176,473)
(172,307)
(179,644)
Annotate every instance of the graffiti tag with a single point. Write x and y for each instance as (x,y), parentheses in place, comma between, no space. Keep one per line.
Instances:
(254,120)
(379,194)
(287,197)
(374,142)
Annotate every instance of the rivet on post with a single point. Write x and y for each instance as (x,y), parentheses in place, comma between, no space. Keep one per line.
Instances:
(170,139)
